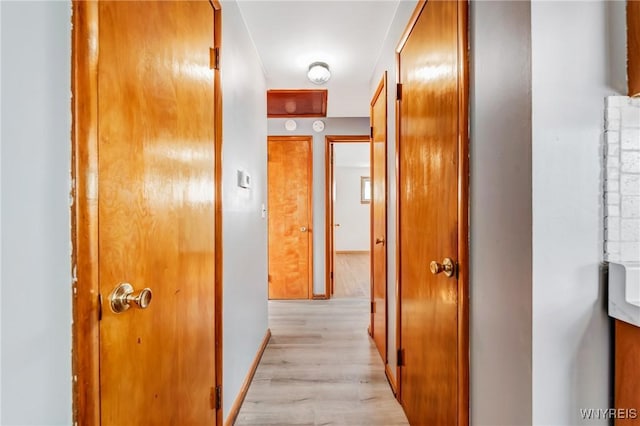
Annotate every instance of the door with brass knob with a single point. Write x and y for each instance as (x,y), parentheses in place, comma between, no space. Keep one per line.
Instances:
(432,216)
(122,298)
(289,182)
(378,154)
(157,346)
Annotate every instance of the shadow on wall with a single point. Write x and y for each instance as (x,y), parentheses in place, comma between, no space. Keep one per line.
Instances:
(588,382)
(615,14)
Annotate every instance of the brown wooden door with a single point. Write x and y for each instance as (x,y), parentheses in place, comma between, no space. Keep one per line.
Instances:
(379,217)
(290,219)
(432,141)
(156,211)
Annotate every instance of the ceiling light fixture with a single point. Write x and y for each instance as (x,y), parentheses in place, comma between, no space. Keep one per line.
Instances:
(319,73)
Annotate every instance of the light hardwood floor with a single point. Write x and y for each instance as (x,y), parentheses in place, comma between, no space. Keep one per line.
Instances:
(320,368)
(352,275)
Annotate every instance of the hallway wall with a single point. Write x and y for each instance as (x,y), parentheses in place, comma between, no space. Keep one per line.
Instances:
(571,44)
(36,250)
(333,126)
(354,217)
(500,212)
(244,229)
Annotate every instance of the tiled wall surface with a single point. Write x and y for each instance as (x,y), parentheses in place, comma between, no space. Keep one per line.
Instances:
(622,179)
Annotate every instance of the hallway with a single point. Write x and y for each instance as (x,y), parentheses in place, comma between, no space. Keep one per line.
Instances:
(320,368)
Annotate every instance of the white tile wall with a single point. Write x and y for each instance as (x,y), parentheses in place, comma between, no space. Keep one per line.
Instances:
(622,179)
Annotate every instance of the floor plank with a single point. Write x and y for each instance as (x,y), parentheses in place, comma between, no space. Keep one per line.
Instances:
(352,275)
(320,368)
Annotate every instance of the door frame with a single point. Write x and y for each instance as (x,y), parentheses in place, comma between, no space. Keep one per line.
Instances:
(308,139)
(87,303)
(329,142)
(463,206)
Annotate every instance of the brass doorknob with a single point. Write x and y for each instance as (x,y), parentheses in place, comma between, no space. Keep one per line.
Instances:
(379,240)
(447,266)
(303,229)
(123,295)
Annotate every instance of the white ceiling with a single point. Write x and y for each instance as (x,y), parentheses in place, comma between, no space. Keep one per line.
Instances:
(351,154)
(346,34)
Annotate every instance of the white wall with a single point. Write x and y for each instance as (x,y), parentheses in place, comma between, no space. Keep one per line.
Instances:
(353,216)
(36,272)
(500,212)
(571,337)
(244,229)
(333,126)
(387,62)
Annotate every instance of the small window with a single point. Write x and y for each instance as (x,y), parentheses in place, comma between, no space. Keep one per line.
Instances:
(365,189)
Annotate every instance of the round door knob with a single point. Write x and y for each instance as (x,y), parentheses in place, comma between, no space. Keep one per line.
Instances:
(303,229)
(447,266)
(379,240)
(123,296)
(435,267)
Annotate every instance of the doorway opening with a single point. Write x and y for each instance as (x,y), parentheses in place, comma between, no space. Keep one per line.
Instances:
(348,216)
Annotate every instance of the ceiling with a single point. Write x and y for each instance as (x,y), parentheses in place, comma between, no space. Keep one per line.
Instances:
(346,34)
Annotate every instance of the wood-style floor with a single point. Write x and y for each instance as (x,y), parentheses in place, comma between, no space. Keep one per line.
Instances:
(352,275)
(320,368)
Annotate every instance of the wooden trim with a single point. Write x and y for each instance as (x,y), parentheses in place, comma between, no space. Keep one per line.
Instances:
(84,214)
(309,140)
(218,234)
(352,251)
(330,140)
(391,380)
(463,213)
(633,47)
(242,394)
(319,297)
(412,23)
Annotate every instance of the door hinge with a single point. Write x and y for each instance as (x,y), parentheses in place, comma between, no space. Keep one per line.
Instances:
(331,274)
(99,307)
(399,91)
(371,128)
(400,358)
(214,58)
(215,398)
(373,307)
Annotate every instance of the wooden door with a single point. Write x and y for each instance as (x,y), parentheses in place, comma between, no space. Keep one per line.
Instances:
(379,217)
(432,217)
(156,211)
(290,238)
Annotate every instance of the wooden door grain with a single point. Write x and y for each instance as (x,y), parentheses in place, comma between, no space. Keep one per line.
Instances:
(379,217)
(156,211)
(290,217)
(432,186)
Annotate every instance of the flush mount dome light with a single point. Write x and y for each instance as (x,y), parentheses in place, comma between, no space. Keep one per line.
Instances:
(319,73)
